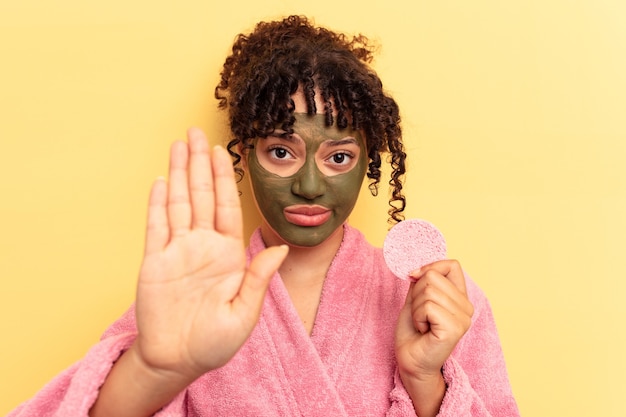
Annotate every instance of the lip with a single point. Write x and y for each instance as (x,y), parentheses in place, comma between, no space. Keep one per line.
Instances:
(307,216)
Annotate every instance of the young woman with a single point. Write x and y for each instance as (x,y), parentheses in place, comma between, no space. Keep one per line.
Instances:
(308,320)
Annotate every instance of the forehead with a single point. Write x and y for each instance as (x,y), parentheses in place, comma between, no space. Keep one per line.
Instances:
(300,102)
(313,129)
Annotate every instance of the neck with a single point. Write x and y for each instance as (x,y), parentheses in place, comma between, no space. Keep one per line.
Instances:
(306,266)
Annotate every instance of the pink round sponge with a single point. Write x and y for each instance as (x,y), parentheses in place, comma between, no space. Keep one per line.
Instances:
(412,244)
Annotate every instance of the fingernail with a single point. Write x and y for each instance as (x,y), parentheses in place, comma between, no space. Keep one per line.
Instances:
(415,273)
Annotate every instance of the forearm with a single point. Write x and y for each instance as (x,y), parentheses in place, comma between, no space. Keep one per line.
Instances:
(133,389)
(426,394)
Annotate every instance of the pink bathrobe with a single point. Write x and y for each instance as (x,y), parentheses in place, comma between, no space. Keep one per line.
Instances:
(345,368)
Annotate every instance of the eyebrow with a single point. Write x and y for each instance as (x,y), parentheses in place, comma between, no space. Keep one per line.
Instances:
(340,142)
(295,138)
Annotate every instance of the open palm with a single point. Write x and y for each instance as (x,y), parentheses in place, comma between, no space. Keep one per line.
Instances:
(197,300)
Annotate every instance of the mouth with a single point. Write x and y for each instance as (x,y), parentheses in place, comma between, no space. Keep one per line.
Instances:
(307,216)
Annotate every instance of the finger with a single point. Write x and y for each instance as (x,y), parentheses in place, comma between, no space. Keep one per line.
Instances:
(457,305)
(430,294)
(409,295)
(228,217)
(157,230)
(449,268)
(257,279)
(200,180)
(405,329)
(422,326)
(437,288)
(410,304)
(441,322)
(434,291)
(178,206)
(427,316)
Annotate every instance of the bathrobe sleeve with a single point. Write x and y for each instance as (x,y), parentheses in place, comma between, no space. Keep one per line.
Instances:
(74,391)
(475,374)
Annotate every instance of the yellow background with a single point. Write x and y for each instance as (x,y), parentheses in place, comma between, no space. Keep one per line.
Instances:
(514,119)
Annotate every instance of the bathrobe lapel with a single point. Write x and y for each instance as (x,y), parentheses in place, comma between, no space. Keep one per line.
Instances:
(312,365)
(305,375)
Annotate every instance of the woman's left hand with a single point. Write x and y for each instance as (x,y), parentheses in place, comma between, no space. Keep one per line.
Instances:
(437,313)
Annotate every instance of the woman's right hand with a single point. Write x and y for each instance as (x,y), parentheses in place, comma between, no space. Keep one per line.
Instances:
(197,302)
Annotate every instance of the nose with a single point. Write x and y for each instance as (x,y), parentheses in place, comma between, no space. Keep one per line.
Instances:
(309,182)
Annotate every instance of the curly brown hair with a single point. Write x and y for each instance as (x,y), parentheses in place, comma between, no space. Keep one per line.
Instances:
(266,68)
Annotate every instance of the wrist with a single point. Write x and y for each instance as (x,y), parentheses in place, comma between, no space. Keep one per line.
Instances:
(420,373)
(422,379)
(426,391)
(133,388)
(156,375)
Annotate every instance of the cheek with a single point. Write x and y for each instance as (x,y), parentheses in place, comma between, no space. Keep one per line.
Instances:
(347,188)
(268,188)
(270,191)
(262,181)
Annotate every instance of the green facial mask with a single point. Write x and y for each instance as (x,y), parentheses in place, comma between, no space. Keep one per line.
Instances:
(306,185)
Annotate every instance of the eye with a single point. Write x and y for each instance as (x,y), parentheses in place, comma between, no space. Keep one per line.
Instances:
(340,158)
(278,152)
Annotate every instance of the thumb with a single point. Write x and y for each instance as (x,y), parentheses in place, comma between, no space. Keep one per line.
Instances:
(405,329)
(257,279)
(409,310)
